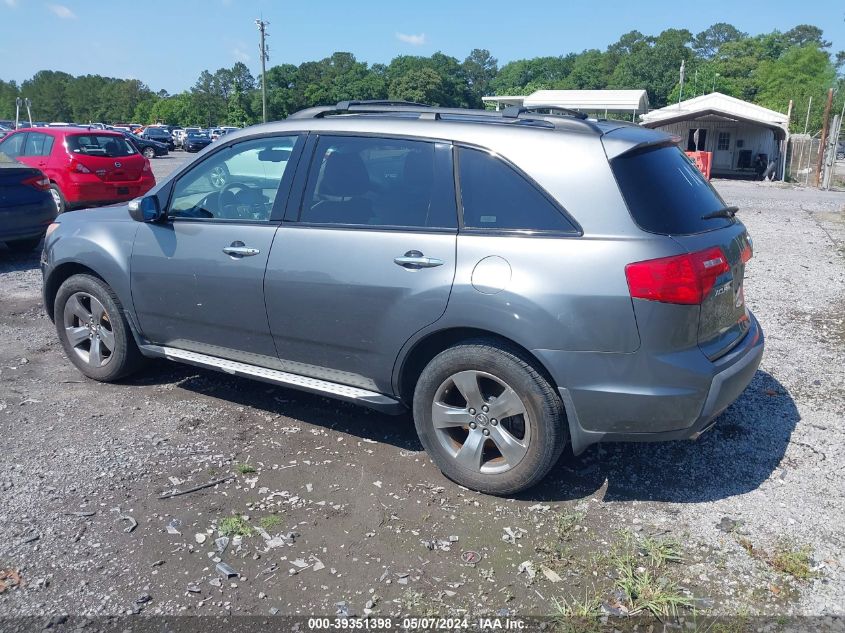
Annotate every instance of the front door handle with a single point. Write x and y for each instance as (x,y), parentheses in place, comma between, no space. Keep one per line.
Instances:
(413,260)
(238,249)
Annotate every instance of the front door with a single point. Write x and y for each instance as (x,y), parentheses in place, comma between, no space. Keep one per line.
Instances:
(369,262)
(723,157)
(198,278)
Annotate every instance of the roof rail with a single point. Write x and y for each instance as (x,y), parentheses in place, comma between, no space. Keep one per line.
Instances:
(513,114)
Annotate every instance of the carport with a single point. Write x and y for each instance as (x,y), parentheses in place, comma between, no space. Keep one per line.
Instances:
(602,103)
(735,131)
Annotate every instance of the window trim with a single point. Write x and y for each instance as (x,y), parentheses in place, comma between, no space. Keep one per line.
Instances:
(577,231)
(293,215)
(285,185)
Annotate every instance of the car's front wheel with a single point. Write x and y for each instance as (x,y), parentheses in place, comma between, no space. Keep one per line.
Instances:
(489,420)
(93,330)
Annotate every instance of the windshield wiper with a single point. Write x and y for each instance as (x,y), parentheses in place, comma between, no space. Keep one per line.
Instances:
(726,212)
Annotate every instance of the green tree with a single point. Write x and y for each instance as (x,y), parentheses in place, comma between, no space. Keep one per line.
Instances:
(480,68)
(707,43)
(422,85)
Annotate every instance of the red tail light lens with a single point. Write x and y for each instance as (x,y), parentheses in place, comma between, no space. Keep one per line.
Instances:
(685,279)
(146,165)
(42,183)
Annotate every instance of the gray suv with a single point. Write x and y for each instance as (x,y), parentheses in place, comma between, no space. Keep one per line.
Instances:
(521,280)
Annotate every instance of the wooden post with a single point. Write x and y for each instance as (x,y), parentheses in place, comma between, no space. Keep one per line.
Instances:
(825,126)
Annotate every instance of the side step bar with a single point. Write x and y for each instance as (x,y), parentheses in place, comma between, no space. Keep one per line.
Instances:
(363,397)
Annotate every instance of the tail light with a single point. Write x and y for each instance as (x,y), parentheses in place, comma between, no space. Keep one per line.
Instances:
(76,166)
(686,279)
(40,182)
(146,165)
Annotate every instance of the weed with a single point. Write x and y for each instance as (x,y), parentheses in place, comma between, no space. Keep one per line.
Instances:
(793,561)
(245,469)
(661,551)
(746,544)
(270,521)
(576,616)
(234,526)
(565,522)
(647,592)
(415,602)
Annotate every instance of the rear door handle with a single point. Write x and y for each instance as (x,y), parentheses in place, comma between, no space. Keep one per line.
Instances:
(238,249)
(413,260)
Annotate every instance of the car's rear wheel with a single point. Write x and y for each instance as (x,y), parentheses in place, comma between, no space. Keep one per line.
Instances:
(489,420)
(58,198)
(149,153)
(22,246)
(93,330)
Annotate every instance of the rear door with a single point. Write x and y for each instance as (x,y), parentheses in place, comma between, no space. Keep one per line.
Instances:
(368,260)
(666,194)
(198,278)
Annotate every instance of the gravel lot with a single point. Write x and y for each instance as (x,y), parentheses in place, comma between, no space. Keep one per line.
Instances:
(344,512)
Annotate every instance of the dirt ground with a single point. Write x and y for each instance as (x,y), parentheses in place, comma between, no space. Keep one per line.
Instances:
(332,509)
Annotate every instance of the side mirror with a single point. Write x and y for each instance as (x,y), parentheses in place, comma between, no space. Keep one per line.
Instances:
(146,209)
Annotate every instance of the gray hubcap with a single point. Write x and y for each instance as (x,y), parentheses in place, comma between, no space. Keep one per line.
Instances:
(56,198)
(481,422)
(89,329)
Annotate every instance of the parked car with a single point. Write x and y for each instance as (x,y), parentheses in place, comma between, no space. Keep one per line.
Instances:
(149,149)
(159,135)
(85,167)
(26,206)
(4,130)
(519,280)
(195,141)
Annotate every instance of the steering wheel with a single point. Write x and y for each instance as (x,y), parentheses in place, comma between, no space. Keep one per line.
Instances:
(241,211)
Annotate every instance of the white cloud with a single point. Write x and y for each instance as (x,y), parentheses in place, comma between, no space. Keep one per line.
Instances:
(413,40)
(62,11)
(240,55)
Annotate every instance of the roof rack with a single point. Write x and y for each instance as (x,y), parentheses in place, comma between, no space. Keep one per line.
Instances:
(563,117)
(513,112)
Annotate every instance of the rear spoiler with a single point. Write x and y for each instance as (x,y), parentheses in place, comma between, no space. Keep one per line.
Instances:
(623,140)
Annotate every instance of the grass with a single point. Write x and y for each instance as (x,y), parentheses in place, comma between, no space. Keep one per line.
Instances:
(245,469)
(577,616)
(415,602)
(234,526)
(270,522)
(555,550)
(793,561)
(661,551)
(565,522)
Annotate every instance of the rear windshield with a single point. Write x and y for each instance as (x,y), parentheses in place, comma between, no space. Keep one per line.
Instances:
(666,193)
(100,145)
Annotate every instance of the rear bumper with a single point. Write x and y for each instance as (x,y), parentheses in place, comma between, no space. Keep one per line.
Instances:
(26,221)
(639,397)
(102,192)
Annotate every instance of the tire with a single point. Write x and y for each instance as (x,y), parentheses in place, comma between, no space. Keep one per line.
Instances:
(22,246)
(149,153)
(76,316)
(533,433)
(58,198)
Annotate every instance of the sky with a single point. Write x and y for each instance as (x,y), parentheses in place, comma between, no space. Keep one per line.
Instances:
(166,44)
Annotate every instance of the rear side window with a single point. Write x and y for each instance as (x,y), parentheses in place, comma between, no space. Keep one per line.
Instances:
(38,144)
(495,196)
(666,193)
(380,182)
(99,145)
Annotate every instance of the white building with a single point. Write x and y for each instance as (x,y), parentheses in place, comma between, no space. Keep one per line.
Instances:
(627,103)
(734,130)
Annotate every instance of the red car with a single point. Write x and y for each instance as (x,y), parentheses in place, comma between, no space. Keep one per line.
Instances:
(86,167)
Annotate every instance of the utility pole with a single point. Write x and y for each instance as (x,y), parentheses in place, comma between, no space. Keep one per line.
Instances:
(681,92)
(262,29)
(825,125)
(807,120)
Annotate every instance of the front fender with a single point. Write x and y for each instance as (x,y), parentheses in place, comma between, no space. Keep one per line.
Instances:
(85,242)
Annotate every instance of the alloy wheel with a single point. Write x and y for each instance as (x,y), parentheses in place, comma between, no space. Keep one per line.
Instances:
(218,177)
(481,422)
(89,329)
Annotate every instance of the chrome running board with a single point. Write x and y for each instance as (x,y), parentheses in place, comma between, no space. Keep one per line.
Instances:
(371,399)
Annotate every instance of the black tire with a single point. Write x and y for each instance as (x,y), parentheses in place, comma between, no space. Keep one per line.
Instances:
(149,153)
(22,246)
(545,419)
(125,358)
(58,198)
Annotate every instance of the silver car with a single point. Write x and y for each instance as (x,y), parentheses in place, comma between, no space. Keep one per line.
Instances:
(521,280)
